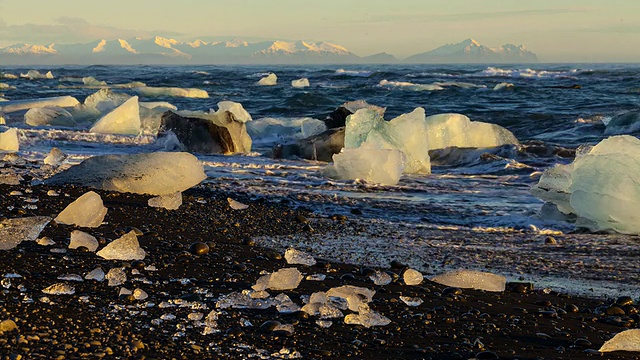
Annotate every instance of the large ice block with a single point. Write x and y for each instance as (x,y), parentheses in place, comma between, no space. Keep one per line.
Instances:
(381,166)
(86,211)
(17,105)
(159,173)
(406,133)
(447,130)
(149,91)
(9,140)
(50,115)
(235,108)
(268,80)
(125,119)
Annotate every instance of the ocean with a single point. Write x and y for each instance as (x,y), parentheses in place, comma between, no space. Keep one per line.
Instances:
(551,108)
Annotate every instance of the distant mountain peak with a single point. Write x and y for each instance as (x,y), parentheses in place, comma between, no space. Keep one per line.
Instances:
(471,51)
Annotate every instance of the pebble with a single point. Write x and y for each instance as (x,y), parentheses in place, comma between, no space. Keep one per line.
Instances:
(199,248)
(487,355)
(624,300)
(550,240)
(615,311)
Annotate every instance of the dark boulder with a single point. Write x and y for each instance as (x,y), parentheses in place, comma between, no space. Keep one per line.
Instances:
(198,135)
(320,147)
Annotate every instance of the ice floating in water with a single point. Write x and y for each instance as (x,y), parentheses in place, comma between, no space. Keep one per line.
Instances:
(410,86)
(4,86)
(626,123)
(59,289)
(283,279)
(239,113)
(294,257)
(55,157)
(169,201)
(17,105)
(236,205)
(159,173)
(274,130)
(447,130)
(412,277)
(471,279)
(126,247)
(91,81)
(157,104)
(172,92)
(628,340)
(381,166)
(268,80)
(125,119)
(52,116)
(366,317)
(80,238)
(300,83)
(601,186)
(35,74)
(9,140)
(87,211)
(503,86)
(15,231)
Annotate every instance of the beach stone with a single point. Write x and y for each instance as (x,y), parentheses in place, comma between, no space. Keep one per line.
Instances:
(199,248)
(15,231)
(412,277)
(211,135)
(159,173)
(126,247)
(169,201)
(86,211)
(624,300)
(79,238)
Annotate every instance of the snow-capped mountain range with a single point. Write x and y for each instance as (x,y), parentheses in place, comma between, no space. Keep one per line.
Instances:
(160,50)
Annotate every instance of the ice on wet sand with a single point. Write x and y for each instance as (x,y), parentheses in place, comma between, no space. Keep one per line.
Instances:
(86,211)
(471,279)
(55,157)
(354,295)
(15,231)
(9,140)
(381,166)
(59,289)
(116,277)
(447,130)
(283,279)
(96,274)
(294,256)
(628,340)
(169,202)
(80,238)
(125,119)
(366,317)
(126,247)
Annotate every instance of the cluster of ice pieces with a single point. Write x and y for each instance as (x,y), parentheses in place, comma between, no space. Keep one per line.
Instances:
(471,279)
(86,211)
(600,187)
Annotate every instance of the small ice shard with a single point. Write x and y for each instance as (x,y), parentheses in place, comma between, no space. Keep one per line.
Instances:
(381,166)
(239,113)
(195,316)
(172,92)
(59,289)
(7,325)
(236,205)
(503,86)
(86,211)
(628,340)
(96,274)
(71,277)
(316,277)
(158,173)
(45,241)
(125,119)
(284,305)
(283,279)
(471,279)
(116,277)
(324,323)
(124,292)
(140,294)
(294,257)
(447,130)
(49,116)
(126,247)
(412,277)
(55,157)
(242,300)
(411,301)
(380,278)
(407,133)
(366,317)
(354,295)
(17,105)
(15,231)
(169,202)
(53,193)
(9,140)
(79,238)
(268,80)
(300,83)
(16,193)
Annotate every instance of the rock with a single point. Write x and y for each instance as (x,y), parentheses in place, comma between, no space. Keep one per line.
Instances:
(79,238)
(628,340)
(412,277)
(381,166)
(268,80)
(49,116)
(15,231)
(157,173)
(7,325)
(448,130)
(59,289)
(294,257)
(199,135)
(86,211)
(300,83)
(9,140)
(126,247)
(169,202)
(199,248)
(320,147)
(125,119)
(283,279)
(18,105)
(472,279)
(55,157)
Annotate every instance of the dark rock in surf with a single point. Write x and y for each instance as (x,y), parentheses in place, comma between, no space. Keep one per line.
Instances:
(318,147)
(198,135)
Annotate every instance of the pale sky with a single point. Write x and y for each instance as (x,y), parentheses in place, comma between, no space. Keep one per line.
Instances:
(557,30)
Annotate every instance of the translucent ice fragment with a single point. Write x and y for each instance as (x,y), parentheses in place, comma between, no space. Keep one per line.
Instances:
(55,157)
(412,277)
(125,119)
(294,256)
(380,278)
(59,289)
(447,130)
(472,279)
(354,295)
(366,317)
(116,277)
(300,83)
(51,116)
(268,80)
(126,247)
(79,238)
(9,140)
(172,92)
(236,205)
(87,211)
(169,202)
(381,166)
(628,340)
(15,231)
(96,274)
(283,279)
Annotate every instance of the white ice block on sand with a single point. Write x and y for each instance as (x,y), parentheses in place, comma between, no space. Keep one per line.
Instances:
(80,238)
(169,202)
(9,141)
(15,231)
(126,247)
(283,279)
(628,340)
(86,211)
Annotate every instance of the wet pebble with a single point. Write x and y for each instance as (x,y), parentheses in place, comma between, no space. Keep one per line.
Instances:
(582,343)
(624,300)
(615,311)
(487,355)
(199,248)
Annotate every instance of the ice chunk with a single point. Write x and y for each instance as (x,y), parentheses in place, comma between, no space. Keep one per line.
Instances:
(268,80)
(169,202)
(50,116)
(406,133)
(140,294)
(554,186)
(412,277)
(116,277)
(55,157)
(380,278)
(284,305)
(105,100)
(10,179)
(17,105)
(87,211)
(382,166)
(274,130)
(405,85)
(447,130)
(35,74)
(80,238)
(626,123)
(283,279)
(8,76)
(172,92)
(126,247)
(242,300)
(411,301)
(162,105)
(9,140)
(354,295)
(366,317)
(236,205)
(159,173)
(96,274)
(471,279)
(239,113)
(71,277)
(628,340)
(91,81)
(59,289)
(15,231)
(4,86)
(294,257)
(125,119)
(503,86)
(300,83)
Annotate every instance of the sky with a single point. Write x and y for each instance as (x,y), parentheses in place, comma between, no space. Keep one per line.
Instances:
(557,31)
